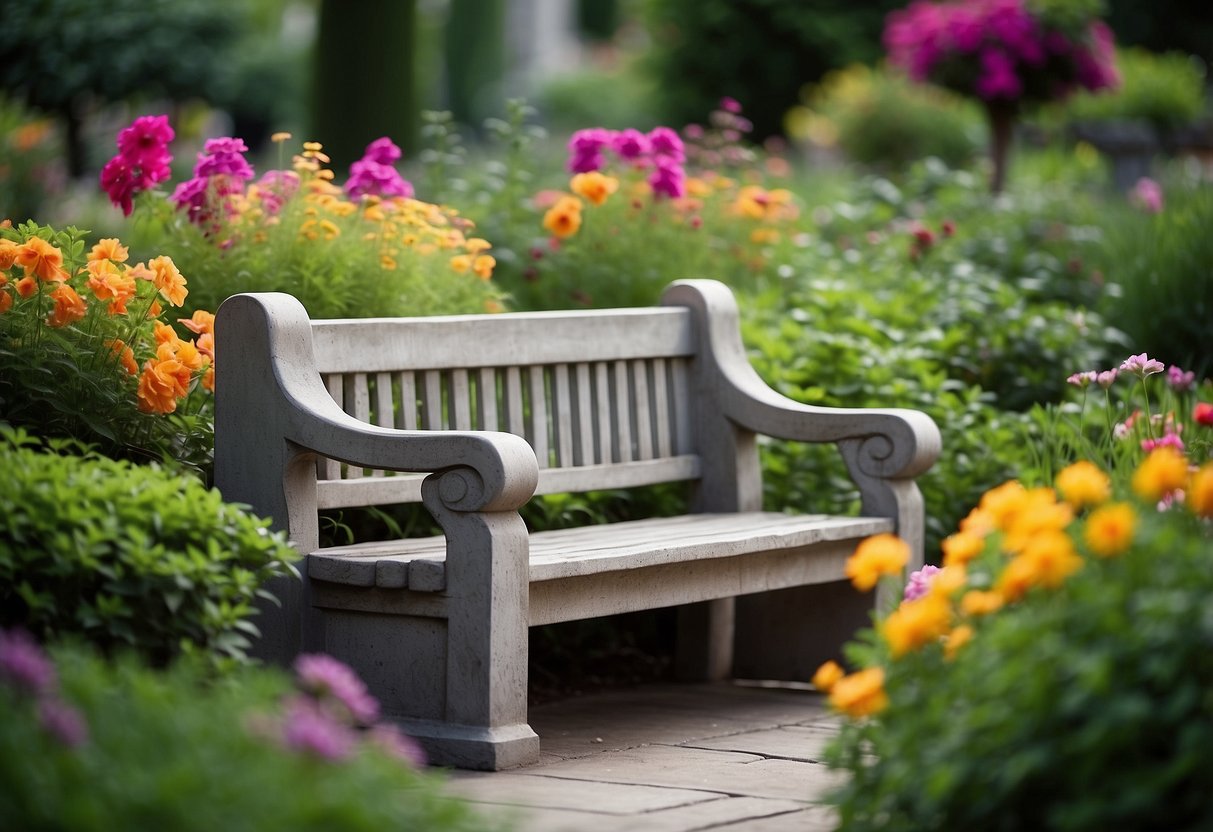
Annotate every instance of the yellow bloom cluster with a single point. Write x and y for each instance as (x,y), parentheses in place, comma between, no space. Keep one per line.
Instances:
(1033,534)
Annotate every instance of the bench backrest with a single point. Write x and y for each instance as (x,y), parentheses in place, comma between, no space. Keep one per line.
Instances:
(602,396)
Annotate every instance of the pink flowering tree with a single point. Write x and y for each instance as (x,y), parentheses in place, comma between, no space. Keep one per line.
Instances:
(1005,53)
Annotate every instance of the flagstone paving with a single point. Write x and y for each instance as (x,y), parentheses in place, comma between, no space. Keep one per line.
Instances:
(669,758)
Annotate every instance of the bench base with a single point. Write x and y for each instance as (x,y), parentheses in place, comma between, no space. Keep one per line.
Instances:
(473,746)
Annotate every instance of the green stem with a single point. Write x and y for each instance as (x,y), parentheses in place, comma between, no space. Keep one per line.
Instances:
(1145,391)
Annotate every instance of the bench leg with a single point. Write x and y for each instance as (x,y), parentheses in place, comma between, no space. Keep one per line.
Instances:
(704,647)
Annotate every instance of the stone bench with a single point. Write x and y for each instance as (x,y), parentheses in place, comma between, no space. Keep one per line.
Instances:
(472,415)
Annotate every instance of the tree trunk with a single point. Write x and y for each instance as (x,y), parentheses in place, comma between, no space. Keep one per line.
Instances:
(1002,126)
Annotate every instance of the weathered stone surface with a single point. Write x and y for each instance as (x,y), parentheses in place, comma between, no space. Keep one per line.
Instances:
(788,742)
(603,797)
(814,819)
(706,815)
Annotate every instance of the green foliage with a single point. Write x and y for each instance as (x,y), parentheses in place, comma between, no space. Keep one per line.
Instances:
(31,172)
(65,377)
(177,750)
(759,52)
(1087,707)
(614,99)
(1167,90)
(1161,264)
(127,556)
(879,118)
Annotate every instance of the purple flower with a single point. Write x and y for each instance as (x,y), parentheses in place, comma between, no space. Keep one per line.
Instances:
(998,78)
(23,664)
(223,157)
(145,144)
(1141,365)
(1179,380)
(1084,379)
(920,582)
(630,144)
(370,178)
(668,180)
(383,150)
(190,194)
(277,186)
(62,721)
(312,730)
(665,143)
(586,162)
(585,149)
(391,739)
(324,676)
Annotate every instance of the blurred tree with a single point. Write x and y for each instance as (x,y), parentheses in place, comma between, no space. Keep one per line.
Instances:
(66,57)
(364,81)
(1165,25)
(760,52)
(598,20)
(475,60)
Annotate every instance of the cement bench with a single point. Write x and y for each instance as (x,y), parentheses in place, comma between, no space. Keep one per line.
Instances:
(472,415)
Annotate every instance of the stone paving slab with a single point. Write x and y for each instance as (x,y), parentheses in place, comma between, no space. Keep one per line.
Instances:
(669,758)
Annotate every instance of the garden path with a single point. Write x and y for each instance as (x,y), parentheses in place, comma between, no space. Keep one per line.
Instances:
(670,758)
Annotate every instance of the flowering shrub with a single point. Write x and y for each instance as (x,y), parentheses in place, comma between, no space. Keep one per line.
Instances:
(88,354)
(1054,674)
(365,249)
(178,749)
(126,556)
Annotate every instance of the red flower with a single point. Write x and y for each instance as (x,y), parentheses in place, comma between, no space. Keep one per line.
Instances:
(1203,414)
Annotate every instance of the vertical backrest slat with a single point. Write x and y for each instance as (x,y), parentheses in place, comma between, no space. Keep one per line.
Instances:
(681,388)
(602,396)
(661,408)
(431,400)
(563,422)
(385,411)
(623,413)
(538,434)
(407,419)
(585,416)
(486,398)
(358,405)
(512,394)
(460,407)
(644,420)
(330,469)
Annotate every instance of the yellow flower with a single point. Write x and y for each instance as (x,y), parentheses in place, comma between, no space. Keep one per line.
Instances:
(387,262)
(1047,560)
(1084,484)
(860,694)
(978,521)
(916,623)
(1038,512)
(475,245)
(761,236)
(956,639)
(962,547)
(882,554)
(696,186)
(977,602)
(594,186)
(483,265)
(280,137)
(1109,530)
(827,676)
(1002,502)
(949,580)
(1199,496)
(460,263)
(1163,471)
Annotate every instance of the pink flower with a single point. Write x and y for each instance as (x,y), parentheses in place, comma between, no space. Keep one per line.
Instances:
(391,739)
(630,144)
(142,161)
(1083,380)
(23,664)
(920,582)
(1141,365)
(324,676)
(730,105)
(1169,439)
(998,78)
(664,142)
(312,730)
(223,157)
(1202,414)
(63,722)
(383,150)
(1147,195)
(585,149)
(1106,377)
(1179,380)
(668,180)
(370,178)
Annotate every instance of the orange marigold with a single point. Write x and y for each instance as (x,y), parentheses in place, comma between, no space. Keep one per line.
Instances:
(162,384)
(69,306)
(168,280)
(977,602)
(125,356)
(962,547)
(860,694)
(594,186)
(26,287)
(1109,530)
(956,639)
(1162,472)
(41,259)
(111,285)
(564,218)
(882,554)
(483,266)
(6,302)
(8,253)
(109,248)
(916,623)
(827,676)
(1199,497)
(1083,484)
(201,322)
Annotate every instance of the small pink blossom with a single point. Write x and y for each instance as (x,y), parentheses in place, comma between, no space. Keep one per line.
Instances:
(1084,379)
(324,676)
(63,722)
(391,739)
(312,730)
(1141,365)
(1179,380)
(1170,500)
(23,664)
(1106,377)
(1169,439)
(920,582)
(664,142)
(630,144)
(1147,195)
(730,105)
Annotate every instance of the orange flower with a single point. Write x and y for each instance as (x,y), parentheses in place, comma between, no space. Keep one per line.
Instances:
(125,357)
(162,384)
(916,623)
(594,186)
(483,265)
(882,554)
(164,334)
(184,352)
(40,258)
(1163,471)
(564,218)
(460,263)
(208,379)
(109,284)
(201,322)
(69,306)
(962,547)
(1083,484)
(956,639)
(977,602)
(1200,491)
(109,249)
(1109,529)
(168,280)
(827,676)
(8,253)
(26,287)
(860,694)
(6,302)
(206,345)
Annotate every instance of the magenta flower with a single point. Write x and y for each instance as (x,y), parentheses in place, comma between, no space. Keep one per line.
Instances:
(630,144)
(383,150)
(312,730)
(585,149)
(391,739)
(1141,365)
(730,105)
(1169,439)
(1179,380)
(370,178)
(143,160)
(668,180)
(62,721)
(665,143)
(223,157)
(920,582)
(324,676)
(23,664)
(1147,195)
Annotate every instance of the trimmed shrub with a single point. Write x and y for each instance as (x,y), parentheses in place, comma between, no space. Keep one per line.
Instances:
(127,556)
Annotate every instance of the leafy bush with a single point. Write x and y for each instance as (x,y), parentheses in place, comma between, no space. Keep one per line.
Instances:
(125,555)
(1167,90)
(1056,674)
(30,170)
(878,118)
(116,746)
(86,354)
(1161,265)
